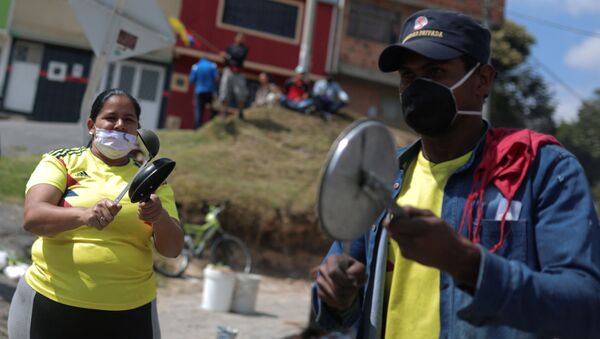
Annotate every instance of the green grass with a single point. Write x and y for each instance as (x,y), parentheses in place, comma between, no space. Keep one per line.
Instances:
(269,162)
(14,173)
(268,167)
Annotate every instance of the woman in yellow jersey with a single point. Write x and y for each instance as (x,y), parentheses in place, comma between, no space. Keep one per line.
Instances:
(92,275)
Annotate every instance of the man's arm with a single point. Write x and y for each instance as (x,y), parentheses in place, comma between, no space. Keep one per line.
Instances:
(562,297)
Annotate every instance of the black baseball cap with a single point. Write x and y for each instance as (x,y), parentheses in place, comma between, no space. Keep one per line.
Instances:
(438,35)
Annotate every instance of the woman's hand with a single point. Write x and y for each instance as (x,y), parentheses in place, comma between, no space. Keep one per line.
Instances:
(168,235)
(101,214)
(151,210)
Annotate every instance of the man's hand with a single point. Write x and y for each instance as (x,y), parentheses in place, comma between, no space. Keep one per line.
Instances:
(101,214)
(150,210)
(430,241)
(336,288)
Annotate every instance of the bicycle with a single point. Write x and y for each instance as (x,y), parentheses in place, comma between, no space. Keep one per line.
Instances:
(225,249)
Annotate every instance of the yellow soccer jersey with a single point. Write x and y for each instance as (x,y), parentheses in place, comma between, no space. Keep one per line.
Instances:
(109,269)
(413,290)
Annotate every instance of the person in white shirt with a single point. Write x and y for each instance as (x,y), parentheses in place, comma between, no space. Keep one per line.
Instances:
(329,97)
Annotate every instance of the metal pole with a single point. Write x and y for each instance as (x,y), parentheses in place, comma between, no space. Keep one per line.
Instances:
(90,92)
(304,59)
(98,68)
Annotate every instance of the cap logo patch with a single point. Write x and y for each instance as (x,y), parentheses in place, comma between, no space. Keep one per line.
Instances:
(424,33)
(420,23)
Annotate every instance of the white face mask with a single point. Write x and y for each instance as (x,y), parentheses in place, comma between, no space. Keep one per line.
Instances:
(114,144)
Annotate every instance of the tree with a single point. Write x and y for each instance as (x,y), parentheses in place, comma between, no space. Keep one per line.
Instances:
(582,138)
(520,97)
(510,46)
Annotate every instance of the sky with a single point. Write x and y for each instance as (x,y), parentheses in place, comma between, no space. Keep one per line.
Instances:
(570,52)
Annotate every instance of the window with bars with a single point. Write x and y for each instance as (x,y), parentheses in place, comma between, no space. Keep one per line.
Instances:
(279,18)
(371,22)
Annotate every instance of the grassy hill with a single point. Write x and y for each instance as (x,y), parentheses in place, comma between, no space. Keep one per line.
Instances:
(267,166)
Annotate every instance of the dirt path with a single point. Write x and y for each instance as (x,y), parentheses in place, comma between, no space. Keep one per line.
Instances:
(282,309)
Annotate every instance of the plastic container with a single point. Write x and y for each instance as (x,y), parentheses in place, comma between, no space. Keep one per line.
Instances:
(245,292)
(226,332)
(15,272)
(217,292)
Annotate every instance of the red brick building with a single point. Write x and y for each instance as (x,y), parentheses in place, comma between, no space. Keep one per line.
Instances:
(348,37)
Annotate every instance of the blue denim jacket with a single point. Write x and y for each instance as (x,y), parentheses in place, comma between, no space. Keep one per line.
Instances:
(544,282)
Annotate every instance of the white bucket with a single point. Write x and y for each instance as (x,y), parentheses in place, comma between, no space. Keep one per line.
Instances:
(218,288)
(244,295)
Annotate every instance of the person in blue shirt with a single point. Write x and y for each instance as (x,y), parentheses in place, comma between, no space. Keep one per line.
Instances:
(499,236)
(205,76)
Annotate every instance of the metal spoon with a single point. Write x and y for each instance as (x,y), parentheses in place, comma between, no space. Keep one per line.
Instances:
(152,144)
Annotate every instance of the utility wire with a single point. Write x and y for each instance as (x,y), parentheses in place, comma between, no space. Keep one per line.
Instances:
(564,28)
(547,69)
(558,79)
(556,25)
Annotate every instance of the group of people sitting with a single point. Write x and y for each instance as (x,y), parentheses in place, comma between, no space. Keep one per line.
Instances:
(325,97)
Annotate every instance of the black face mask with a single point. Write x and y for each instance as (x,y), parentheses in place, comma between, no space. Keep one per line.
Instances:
(429,107)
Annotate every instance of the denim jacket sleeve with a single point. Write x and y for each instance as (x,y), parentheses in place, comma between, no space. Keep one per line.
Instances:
(561,298)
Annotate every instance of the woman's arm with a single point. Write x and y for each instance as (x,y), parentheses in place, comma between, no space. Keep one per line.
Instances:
(43,216)
(168,235)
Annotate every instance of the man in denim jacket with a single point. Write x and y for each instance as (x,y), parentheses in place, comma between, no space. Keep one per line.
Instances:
(500,237)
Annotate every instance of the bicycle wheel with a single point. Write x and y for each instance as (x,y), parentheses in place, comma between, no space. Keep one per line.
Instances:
(231,251)
(174,267)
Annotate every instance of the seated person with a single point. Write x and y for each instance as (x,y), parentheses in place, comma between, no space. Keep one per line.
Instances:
(267,93)
(297,94)
(329,97)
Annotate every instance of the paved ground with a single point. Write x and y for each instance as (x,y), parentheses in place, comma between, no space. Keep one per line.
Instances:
(281,311)
(18,136)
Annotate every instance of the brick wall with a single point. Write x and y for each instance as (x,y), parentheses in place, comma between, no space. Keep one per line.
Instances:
(471,7)
(364,93)
(365,53)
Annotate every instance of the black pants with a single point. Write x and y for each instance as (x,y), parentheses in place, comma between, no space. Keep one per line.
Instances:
(202,100)
(50,319)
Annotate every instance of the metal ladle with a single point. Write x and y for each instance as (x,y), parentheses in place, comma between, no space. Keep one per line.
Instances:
(152,144)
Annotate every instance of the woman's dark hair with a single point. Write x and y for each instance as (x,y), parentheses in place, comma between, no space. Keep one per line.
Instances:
(104,96)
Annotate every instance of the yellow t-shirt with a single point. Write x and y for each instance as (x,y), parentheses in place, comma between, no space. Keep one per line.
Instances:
(84,267)
(413,290)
